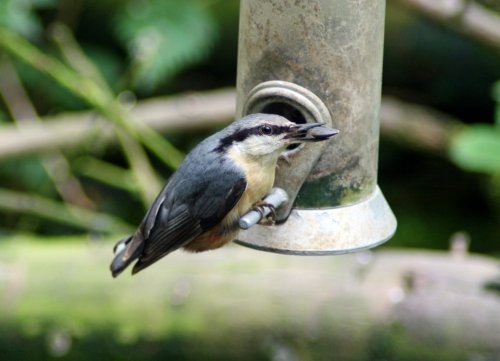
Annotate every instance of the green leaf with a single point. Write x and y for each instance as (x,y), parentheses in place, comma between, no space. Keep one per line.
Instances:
(477,148)
(163,37)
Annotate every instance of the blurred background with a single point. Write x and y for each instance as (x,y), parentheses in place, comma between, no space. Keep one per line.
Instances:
(78,169)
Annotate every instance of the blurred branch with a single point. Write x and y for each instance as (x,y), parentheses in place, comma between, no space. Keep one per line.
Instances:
(415,125)
(74,55)
(382,305)
(46,208)
(467,16)
(184,112)
(24,113)
(106,173)
(148,182)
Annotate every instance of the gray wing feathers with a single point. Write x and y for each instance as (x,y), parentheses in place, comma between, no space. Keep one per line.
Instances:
(196,198)
(168,236)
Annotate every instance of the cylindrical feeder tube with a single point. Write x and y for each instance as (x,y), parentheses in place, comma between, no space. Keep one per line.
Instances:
(319,61)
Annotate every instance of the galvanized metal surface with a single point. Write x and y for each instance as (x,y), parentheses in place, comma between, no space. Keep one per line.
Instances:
(333,50)
(326,231)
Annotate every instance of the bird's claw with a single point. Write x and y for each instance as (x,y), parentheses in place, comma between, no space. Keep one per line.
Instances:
(270,219)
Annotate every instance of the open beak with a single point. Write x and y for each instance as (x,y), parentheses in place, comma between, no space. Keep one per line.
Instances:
(311,132)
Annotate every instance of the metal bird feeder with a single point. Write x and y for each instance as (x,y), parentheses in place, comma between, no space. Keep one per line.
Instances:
(319,61)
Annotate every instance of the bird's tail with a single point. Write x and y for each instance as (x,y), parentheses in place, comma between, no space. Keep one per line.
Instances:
(126,252)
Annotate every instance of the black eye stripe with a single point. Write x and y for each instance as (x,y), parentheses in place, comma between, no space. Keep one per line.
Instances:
(243,134)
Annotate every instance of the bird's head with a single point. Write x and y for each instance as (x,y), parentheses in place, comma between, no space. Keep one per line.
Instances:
(261,135)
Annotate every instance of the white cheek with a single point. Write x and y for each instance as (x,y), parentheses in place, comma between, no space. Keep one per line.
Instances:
(261,146)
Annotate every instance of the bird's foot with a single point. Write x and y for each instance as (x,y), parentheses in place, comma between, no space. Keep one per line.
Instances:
(270,218)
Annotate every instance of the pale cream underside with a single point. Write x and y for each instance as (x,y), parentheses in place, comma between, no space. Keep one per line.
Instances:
(259,172)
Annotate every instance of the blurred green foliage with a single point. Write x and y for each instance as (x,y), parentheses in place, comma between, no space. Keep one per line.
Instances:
(159,39)
(433,196)
(28,174)
(148,48)
(21,16)
(79,82)
(188,310)
(155,47)
(164,37)
(477,148)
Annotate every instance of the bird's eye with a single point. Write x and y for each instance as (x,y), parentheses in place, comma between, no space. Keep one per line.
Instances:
(266,130)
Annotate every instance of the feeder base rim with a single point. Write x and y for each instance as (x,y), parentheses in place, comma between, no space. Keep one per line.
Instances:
(331,231)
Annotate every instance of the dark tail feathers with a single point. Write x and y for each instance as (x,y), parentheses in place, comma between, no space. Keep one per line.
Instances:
(121,261)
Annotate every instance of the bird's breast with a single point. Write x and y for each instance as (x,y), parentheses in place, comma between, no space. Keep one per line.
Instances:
(259,175)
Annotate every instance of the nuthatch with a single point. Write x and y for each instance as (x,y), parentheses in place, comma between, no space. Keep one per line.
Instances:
(220,180)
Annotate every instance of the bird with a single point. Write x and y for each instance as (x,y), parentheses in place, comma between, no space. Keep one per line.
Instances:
(221,179)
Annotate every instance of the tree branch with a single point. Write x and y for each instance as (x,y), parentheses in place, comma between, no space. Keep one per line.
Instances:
(68,130)
(392,305)
(467,16)
(50,209)
(415,125)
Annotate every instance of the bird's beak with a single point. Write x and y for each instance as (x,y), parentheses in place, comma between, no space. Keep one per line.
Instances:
(311,132)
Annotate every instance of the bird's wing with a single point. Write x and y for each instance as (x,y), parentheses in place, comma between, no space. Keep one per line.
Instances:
(174,221)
